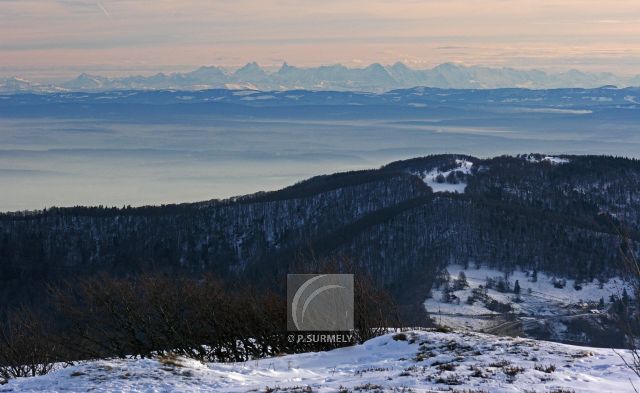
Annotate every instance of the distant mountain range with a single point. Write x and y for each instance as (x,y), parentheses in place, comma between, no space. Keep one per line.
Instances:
(373,78)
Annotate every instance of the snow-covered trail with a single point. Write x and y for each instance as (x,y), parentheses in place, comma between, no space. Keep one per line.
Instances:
(424,362)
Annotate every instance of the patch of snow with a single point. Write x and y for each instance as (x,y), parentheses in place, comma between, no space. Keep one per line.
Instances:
(252,98)
(242,93)
(202,87)
(427,361)
(430,178)
(555,160)
(540,299)
(550,159)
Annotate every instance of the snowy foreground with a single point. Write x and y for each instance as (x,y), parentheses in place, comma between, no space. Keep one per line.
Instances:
(424,362)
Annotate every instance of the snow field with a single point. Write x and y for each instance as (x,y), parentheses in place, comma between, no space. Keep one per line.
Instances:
(417,361)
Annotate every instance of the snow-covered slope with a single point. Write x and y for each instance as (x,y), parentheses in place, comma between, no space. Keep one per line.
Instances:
(451,180)
(542,299)
(424,362)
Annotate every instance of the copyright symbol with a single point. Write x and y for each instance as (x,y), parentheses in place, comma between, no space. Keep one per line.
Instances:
(291,338)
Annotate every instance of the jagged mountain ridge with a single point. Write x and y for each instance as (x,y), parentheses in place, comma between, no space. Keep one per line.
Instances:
(554,214)
(373,78)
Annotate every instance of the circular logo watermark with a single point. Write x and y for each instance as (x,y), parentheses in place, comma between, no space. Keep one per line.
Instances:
(320,302)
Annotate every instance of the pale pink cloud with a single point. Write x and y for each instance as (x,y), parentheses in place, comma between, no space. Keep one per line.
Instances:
(145,33)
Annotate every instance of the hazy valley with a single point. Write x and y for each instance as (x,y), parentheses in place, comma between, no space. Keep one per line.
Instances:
(138,148)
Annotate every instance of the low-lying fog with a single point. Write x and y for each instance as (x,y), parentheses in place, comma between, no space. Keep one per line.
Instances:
(64,162)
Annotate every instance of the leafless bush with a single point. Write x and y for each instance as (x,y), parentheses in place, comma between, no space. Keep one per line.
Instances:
(375,311)
(545,369)
(155,315)
(200,318)
(25,348)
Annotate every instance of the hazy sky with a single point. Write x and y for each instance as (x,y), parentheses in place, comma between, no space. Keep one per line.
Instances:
(60,37)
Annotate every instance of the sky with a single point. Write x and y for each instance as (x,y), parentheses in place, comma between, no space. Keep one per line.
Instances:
(58,38)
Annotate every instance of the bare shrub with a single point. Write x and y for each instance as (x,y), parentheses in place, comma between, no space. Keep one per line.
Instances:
(545,369)
(157,315)
(25,349)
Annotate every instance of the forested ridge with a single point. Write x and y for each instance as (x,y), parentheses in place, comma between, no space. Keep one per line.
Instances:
(564,217)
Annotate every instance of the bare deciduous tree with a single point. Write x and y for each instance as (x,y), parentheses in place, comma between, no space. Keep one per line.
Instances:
(629,320)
